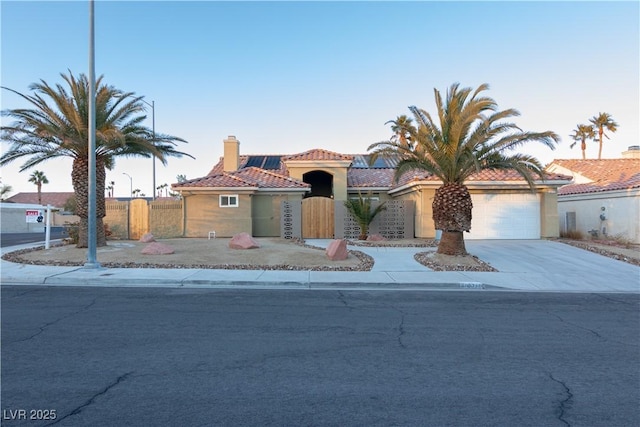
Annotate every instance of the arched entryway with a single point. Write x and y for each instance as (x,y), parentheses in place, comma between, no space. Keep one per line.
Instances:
(321,183)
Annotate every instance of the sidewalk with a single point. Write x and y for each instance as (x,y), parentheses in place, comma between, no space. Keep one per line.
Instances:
(524,265)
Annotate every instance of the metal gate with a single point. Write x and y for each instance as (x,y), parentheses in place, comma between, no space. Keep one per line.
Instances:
(318,218)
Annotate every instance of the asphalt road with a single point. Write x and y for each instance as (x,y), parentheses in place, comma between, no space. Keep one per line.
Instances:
(14,239)
(189,357)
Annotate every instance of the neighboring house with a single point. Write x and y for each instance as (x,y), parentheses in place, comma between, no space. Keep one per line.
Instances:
(604,197)
(56,200)
(254,193)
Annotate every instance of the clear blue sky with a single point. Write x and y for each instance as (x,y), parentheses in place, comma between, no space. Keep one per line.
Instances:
(285,77)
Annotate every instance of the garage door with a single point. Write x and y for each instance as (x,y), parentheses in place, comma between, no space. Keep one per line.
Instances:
(505,216)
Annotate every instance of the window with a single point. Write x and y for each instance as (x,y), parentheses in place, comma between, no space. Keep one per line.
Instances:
(230,201)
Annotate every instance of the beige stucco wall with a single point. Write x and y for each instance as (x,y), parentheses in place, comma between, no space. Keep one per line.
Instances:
(549,223)
(423,200)
(266,212)
(622,212)
(339,178)
(203,214)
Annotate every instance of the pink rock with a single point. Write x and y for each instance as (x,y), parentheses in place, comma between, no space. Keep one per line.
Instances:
(376,238)
(156,248)
(147,238)
(337,250)
(243,241)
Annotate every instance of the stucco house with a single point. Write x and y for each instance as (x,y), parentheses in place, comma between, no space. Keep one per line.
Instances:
(271,195)
(603,198)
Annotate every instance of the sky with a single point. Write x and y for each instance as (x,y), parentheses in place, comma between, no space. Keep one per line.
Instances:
(286,77)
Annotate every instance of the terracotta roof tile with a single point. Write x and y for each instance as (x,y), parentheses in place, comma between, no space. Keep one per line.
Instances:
(363,178)
(244,178)
(48,198)
(604,174)
(318,154)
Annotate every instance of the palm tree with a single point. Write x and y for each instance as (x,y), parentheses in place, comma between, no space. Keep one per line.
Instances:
(362,212)
(56,126)
(4,191)
(402,128)
(472,135)
(581,134)
(602,121)
(38,178)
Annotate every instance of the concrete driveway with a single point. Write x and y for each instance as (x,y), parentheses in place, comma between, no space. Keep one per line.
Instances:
(548,265)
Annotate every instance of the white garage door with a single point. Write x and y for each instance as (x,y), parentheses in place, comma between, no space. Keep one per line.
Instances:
(505,216)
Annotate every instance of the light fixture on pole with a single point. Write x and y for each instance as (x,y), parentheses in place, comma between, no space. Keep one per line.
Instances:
(153,129)
(130,184)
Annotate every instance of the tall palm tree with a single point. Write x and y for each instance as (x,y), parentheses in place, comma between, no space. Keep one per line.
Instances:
(5,190)
(601,122)
(472,135)
(402,128)
(38,178)
(56,126)
(580,134)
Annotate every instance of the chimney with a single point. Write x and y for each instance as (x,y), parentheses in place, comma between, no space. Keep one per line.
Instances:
(632,153)
(231,154)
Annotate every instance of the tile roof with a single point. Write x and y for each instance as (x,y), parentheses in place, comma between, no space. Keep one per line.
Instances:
(318,154)
(250,177)
(605,175)
(359,174)
(486,175)
(48,198)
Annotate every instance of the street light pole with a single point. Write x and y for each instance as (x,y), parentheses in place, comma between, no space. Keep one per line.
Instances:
(130,184)
(153,127)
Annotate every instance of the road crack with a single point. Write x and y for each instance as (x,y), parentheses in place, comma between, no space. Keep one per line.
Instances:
(565,404)
(93,398)
(46,325)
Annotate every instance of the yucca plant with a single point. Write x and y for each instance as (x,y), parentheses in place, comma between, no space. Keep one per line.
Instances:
(363,212)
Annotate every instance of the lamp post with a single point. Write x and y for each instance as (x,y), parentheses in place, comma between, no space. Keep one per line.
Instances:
(153,129)
(130,184)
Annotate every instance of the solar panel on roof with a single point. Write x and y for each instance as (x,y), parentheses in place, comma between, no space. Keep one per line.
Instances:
(380,163)
(254,161)
(272,162)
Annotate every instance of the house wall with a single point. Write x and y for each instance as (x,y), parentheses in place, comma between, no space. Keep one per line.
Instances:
(203,214)
(339,178)
(13,218)
(622,213)
(423,214)
(266,212)
(549,218)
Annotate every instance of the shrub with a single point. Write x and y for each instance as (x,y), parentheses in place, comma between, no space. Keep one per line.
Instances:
(573,234)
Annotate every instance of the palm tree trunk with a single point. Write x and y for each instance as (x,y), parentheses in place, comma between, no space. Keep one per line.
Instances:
(80,181)
(452,243)
(600,132)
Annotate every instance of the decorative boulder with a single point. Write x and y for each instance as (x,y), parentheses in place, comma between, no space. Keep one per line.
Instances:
(147,238)
(156,248)
(376,238)
(243,241)
(337,250)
